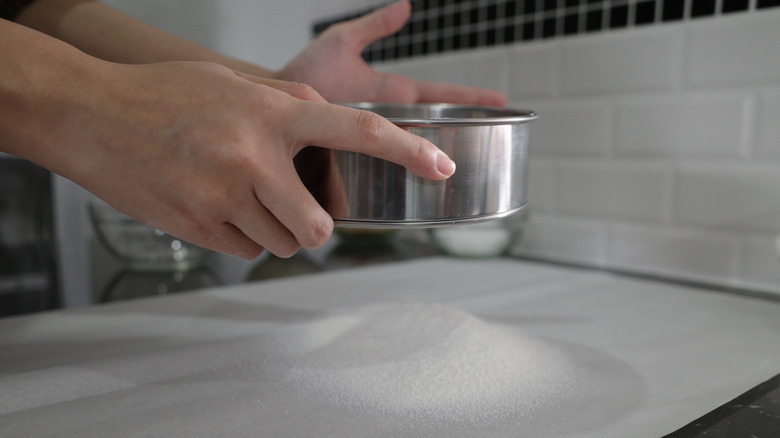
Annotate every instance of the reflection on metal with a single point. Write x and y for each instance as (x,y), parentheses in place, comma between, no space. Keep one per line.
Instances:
(489,147)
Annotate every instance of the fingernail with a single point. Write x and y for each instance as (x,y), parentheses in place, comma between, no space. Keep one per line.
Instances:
(444,165)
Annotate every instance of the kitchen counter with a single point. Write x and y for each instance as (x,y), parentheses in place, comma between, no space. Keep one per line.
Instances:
(644,358)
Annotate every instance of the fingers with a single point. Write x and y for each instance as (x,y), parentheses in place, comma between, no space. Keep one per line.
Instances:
(292,205)
(378,24)
(228,239)
(353,130)
(401,89)
(276,217)
(433,92)
(279,218)
(224,238)
(256,222)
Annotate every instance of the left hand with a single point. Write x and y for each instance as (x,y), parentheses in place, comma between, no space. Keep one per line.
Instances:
(333,66)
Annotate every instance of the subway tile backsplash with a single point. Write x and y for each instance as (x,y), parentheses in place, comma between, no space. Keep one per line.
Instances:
(697,125)
(589,125)
(734,196)
(767,127)
(439,26)
(624,190)
(584,60)
(753,55)
(657,150)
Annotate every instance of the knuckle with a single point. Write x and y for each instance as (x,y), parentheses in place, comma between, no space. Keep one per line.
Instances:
(337,33)
(306,91)
(319,232)
(420,153)
(267,102)
(370,126)
(385,23)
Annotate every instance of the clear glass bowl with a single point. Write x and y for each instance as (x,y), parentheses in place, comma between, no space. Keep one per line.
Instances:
(482,240)
(142,247)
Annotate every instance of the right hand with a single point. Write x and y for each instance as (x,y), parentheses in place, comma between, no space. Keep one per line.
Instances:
(206,154)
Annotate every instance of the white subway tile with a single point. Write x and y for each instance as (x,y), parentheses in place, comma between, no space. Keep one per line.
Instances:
(699,125)
(737,196)
(572,240)
(762,263)
(623,61)
(614,189)
(541,182)
(734,49)
(768,129)
(533,69)
(678,253)
(487,68)
(570,127)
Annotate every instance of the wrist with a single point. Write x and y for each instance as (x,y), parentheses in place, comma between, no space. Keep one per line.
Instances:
(46,86)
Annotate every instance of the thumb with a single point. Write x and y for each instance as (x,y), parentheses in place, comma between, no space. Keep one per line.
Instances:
(378,24)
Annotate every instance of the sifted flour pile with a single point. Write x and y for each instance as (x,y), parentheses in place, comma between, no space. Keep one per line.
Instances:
(427,361)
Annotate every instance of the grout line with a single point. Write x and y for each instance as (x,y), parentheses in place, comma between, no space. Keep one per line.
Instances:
(556,171)
(557,72)
(659,11)
(614,118)
(671,196)
(675,195)
(749,127)
(680,62)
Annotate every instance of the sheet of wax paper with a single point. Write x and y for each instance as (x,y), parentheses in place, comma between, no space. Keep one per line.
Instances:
(436,347)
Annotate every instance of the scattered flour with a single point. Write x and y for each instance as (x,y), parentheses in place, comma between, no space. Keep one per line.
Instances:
(426,361)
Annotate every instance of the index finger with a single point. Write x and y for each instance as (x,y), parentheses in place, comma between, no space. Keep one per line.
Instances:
(378,24)
(349,129)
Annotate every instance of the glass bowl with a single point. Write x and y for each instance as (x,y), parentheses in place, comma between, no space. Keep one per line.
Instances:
(481,240)
(142,247)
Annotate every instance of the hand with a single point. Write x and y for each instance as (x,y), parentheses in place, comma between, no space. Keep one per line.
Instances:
(333,66)
(206,154)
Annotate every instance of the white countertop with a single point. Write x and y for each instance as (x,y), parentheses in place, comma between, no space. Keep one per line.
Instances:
(656,356)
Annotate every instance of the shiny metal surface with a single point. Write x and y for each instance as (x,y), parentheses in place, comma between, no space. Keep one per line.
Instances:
(489,147)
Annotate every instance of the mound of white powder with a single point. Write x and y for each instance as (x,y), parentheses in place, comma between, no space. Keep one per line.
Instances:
(426,361)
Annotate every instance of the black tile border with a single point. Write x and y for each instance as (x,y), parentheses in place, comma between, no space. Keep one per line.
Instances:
(438,26)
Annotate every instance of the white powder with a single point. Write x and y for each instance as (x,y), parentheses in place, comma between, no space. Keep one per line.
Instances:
(427,361)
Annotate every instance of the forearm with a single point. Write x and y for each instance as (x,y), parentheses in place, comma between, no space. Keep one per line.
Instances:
(114,36)
(43,83)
